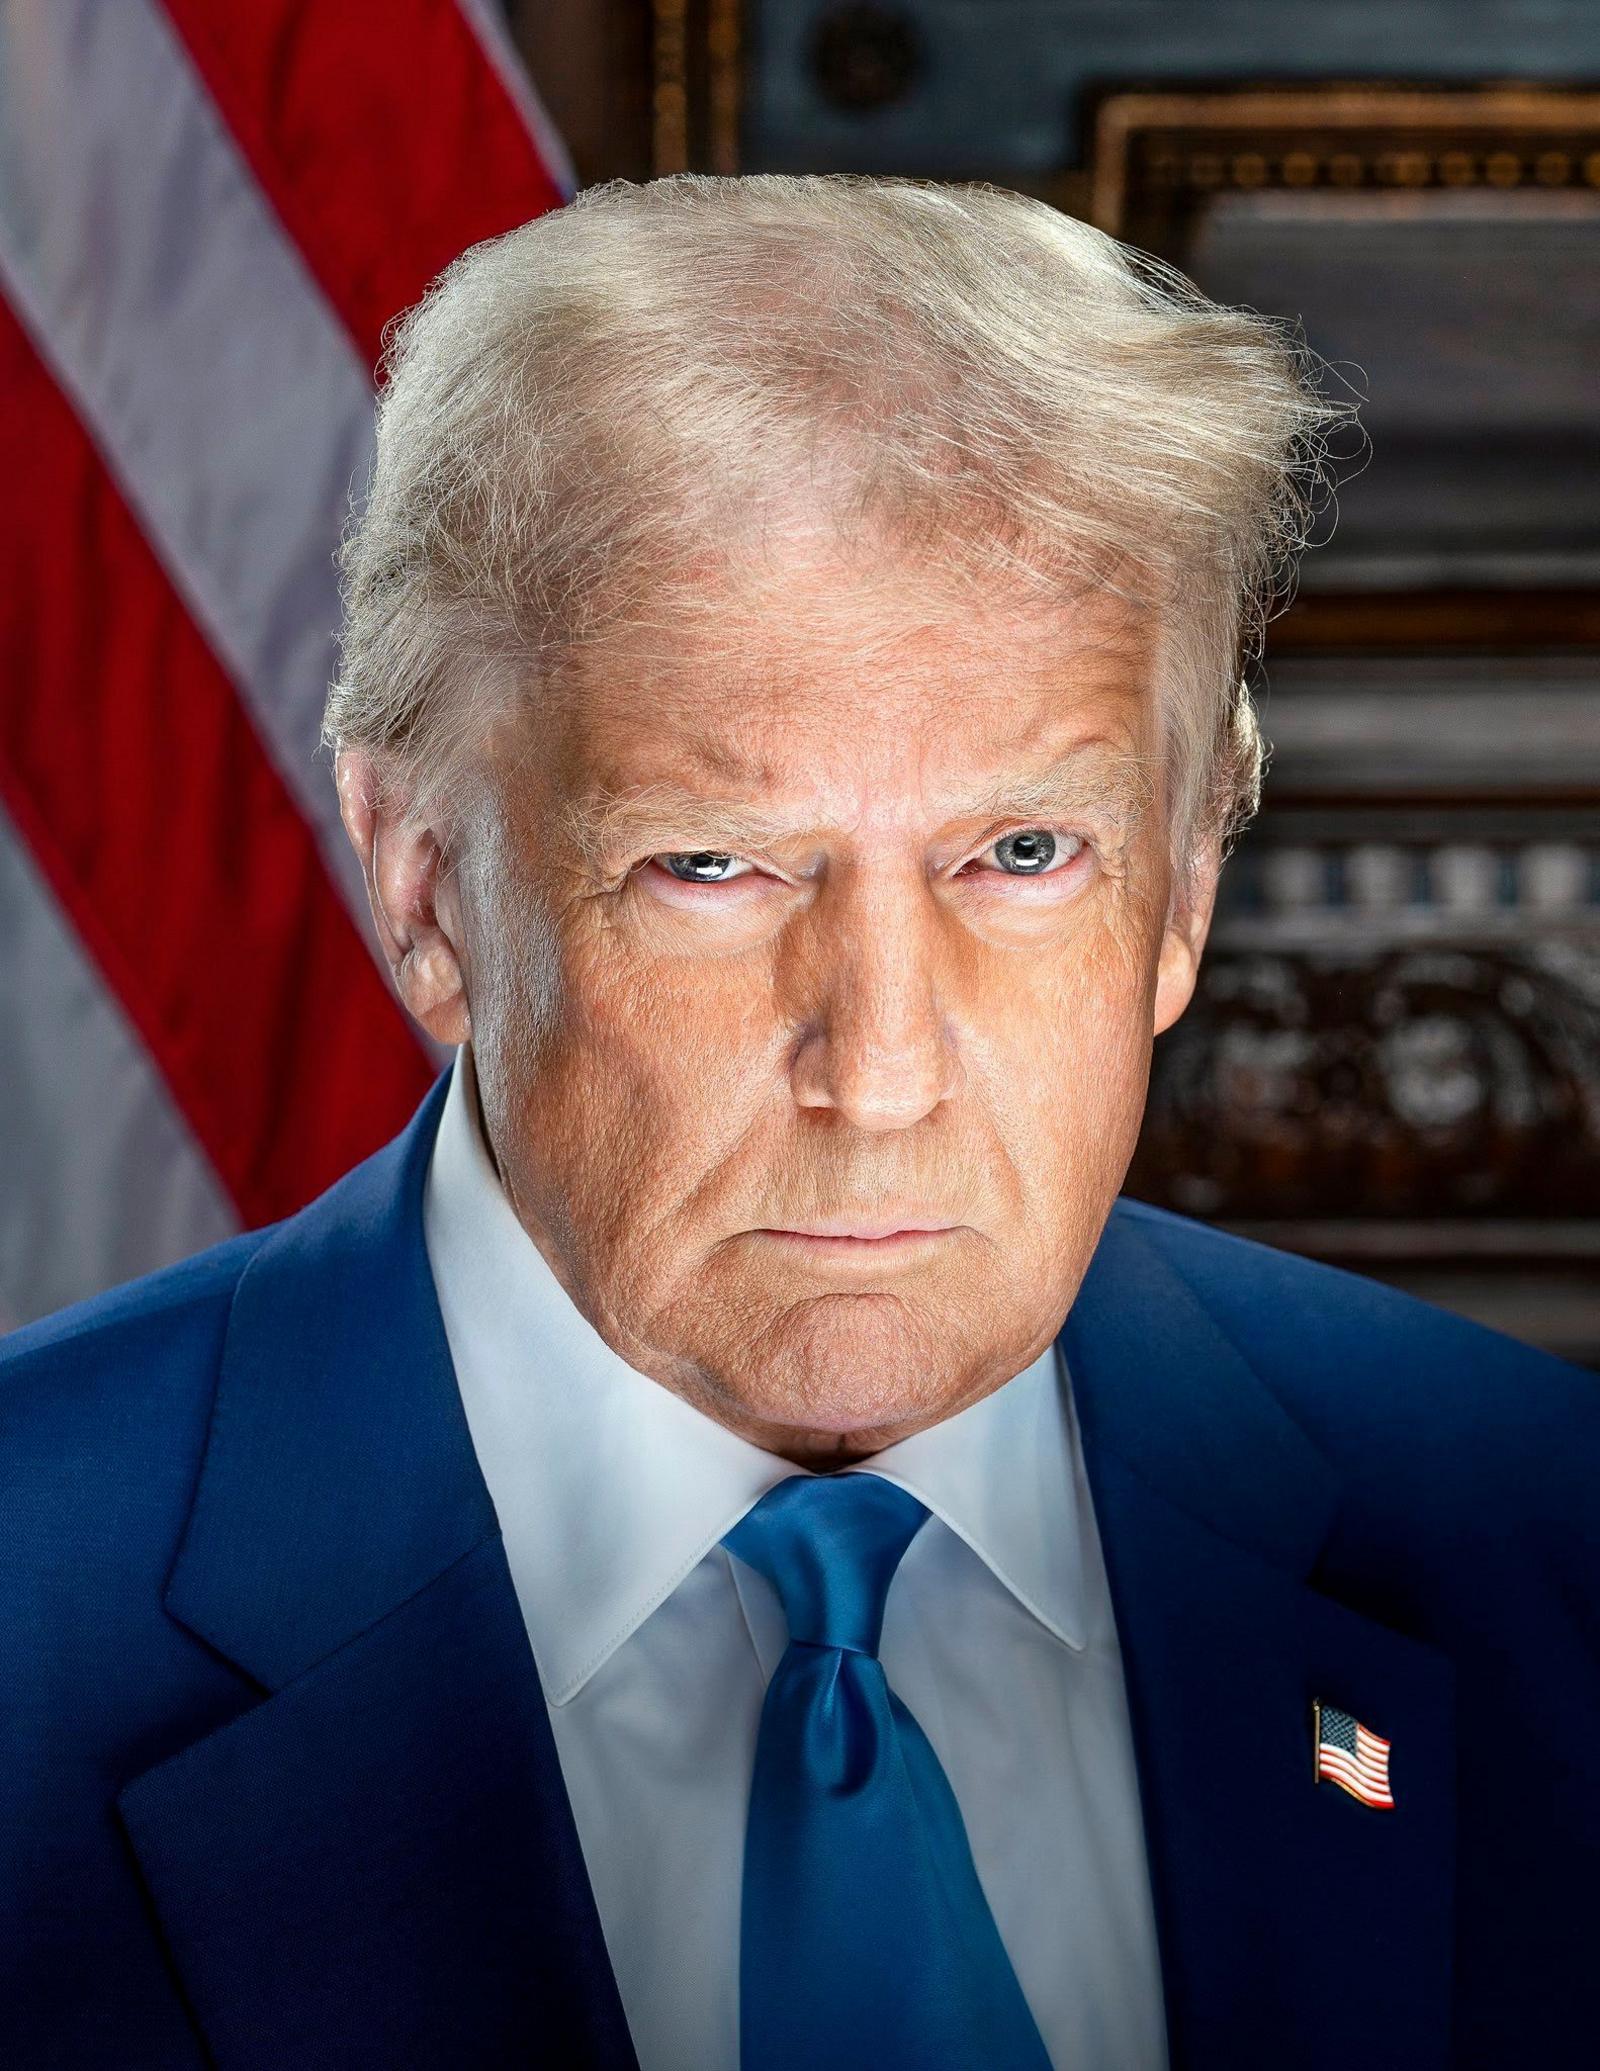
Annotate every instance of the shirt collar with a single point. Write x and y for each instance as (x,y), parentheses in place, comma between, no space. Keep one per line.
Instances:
(610,1489)
(1006,1476)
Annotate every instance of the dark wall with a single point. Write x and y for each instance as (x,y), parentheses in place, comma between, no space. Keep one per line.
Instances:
(1000,87)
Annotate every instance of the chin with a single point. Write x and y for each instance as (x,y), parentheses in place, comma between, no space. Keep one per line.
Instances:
(861,1426)
(838,1365)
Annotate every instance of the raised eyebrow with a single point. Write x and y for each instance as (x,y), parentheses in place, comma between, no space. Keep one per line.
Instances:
(1118,788)
(604,823)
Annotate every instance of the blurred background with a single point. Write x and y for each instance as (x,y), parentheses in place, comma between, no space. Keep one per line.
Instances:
(210,208)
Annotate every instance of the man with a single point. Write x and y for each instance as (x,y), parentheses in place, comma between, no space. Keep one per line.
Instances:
(729,1543)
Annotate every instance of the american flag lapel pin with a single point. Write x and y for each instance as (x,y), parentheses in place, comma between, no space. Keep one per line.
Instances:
(1351,1755)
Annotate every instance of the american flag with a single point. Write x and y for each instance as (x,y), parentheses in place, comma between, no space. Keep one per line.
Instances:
(209,209)
(1352,1756)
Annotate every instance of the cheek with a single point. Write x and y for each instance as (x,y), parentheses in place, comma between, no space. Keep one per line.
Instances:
(1093,992)
(646,1077)
(1067,1058)
(663,1032)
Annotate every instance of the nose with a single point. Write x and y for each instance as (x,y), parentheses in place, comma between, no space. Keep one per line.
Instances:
(877,1045)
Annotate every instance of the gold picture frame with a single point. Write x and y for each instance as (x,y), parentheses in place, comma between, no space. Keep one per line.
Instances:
(1159,160)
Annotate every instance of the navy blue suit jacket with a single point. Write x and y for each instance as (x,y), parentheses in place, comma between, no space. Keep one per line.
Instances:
(277,1784)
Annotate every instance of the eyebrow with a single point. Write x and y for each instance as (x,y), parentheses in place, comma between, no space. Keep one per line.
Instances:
(1113,788)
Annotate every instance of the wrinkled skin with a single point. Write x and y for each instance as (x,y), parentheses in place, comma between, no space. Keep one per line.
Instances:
(875,1011)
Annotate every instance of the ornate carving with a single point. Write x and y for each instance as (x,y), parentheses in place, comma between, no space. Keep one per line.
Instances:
(1430,1081)
(1156,154)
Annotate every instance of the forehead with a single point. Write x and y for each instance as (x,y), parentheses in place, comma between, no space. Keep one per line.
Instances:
(809,669)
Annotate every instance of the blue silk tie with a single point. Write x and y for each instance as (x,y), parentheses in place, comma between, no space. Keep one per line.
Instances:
(866,1939)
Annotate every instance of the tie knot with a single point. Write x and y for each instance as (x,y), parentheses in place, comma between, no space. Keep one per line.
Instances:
(830,1545)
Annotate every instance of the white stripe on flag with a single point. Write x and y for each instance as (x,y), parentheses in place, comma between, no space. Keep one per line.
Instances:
(489,22)
(202,356)
(102,1177)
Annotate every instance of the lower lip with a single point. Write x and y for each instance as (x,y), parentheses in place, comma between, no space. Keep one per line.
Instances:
(859,1250)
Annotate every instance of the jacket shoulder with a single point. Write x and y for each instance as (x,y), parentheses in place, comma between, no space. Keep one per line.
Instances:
(103,1410)
(122,1329)
(105,1406)
(1370,1371)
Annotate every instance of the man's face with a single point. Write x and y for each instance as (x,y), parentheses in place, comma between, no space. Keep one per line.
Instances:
(828,908)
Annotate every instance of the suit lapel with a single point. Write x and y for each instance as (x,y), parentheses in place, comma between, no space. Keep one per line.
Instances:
(1296,1924)
(377,1863)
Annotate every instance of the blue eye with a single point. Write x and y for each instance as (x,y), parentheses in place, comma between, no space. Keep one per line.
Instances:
(1033,851)
(697,866)
(1026,853)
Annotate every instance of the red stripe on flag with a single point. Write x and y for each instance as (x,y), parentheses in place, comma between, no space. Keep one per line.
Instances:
(385,138)
(131,770)
(1370,1792)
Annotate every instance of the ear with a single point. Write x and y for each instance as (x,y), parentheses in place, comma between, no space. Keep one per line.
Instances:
(413,895)
(1188,923)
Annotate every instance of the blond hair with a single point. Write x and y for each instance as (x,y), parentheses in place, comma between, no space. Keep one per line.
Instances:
(576,405)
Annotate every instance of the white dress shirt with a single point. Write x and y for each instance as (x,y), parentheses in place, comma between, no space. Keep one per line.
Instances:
(654,1646)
